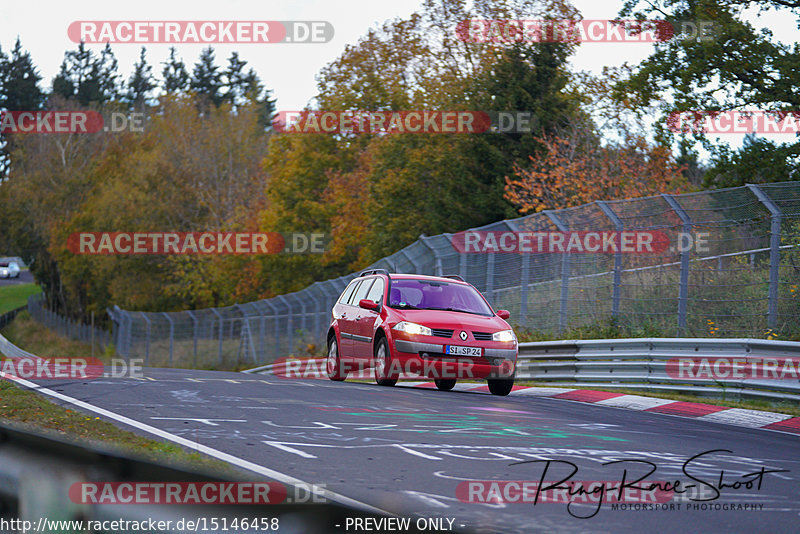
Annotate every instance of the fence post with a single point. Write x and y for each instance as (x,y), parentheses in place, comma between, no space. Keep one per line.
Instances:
(490,277)
(92,331)
(565,271)
(417,270)
(146,339)
(171,334)
(221,332)
(194,337)
(437,261)
(300,301)
(289,332)
(619,226)
(269,303)
(525,272)
(774,252)
(683,290)
(114,329)
(319,310)
(331,298)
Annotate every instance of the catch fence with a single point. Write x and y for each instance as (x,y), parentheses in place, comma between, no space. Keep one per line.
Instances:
(732,269)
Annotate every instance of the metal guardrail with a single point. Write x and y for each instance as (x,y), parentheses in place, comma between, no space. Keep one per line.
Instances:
(37,471)
(641,364)
(7,317)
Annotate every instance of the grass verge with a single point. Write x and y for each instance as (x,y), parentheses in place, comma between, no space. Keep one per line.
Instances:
(23,406)
(12,297)
(28,334)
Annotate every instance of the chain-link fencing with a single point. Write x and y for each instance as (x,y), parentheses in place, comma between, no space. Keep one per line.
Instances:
(66,327)
(732,269)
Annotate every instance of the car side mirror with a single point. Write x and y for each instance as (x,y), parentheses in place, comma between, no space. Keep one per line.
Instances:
(368,304)
(503,314)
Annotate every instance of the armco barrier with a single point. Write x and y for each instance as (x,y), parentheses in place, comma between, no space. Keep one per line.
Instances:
(37,471)
(640,364)
(7,317)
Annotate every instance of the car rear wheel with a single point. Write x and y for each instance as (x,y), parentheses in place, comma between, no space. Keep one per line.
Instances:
(444,384)
(334,363)
(383,364)
(501,386)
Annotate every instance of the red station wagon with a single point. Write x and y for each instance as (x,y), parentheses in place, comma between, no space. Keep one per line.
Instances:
(438,327)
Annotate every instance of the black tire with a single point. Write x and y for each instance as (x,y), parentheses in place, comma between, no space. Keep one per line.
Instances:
(501,386)
(333,363)
(382,360)
(444,384)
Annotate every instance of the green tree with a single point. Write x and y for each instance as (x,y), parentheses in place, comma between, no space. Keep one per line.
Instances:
(733,67)
(176,77)
(206,78)
(86,77)
(19,91)
(141,82)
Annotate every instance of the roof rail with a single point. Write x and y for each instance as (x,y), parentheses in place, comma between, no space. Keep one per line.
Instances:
(454,277)
(374,271)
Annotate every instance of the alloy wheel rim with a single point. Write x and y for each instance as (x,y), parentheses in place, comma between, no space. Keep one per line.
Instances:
(380,363)
(332,358)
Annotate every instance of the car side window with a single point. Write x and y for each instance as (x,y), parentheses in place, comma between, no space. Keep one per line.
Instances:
(361,292)
(347,292)
(376,293)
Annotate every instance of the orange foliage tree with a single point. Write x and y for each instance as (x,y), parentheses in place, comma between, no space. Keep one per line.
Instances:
(571,171)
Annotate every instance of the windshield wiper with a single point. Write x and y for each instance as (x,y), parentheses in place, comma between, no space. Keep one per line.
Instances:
(455,310)
(406,306)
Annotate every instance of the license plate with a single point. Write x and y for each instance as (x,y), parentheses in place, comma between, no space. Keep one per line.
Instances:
(457,350)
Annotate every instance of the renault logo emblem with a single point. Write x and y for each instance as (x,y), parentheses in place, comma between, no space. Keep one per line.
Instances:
(463,335)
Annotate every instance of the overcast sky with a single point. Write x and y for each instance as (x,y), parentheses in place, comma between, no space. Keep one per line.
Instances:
(288,69)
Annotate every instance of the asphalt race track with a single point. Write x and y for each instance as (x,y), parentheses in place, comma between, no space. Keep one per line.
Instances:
(405,450)
(25,277)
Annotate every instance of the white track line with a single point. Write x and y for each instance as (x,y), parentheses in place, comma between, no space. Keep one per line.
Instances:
(225,457)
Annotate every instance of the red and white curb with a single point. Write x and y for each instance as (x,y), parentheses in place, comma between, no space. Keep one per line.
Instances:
(702,412)
(315,369)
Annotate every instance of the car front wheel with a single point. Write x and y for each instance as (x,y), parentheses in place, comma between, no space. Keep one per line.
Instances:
(334,363)
(444,384)
(383,364)
(501,386)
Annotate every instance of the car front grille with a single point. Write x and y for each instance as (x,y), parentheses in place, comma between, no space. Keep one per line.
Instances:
(442,332)
(482,336)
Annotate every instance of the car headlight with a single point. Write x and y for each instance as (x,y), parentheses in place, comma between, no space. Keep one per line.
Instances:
(504,335)
(412,328)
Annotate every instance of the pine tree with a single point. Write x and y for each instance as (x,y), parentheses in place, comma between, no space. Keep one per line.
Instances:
(20,85)
(140,83)
(233,80)
(19,91)
(176,78)
(86,78)
(206,78)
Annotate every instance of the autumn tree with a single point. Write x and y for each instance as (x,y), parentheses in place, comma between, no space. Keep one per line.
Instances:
(575,171)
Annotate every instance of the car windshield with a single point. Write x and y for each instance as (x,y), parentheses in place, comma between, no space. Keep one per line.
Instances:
(436,295)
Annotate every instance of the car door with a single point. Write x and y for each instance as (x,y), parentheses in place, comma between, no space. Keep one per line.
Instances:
(350,319)
(341,311)
(365,321)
